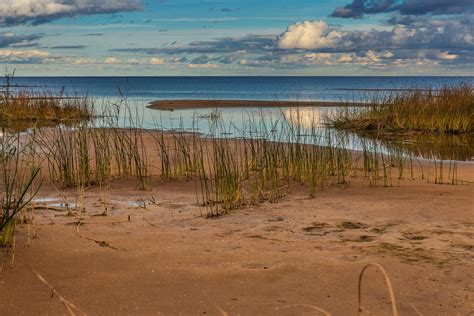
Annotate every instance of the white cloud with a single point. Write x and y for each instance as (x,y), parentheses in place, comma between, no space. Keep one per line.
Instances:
(83,61)
(345,58)
(157,61)
(308,35)
(116,61)
(135,61)
(111,60)
(318,56)
(22,56)
(203,66)
(290,58)
(38,11)
(447,56)
(151,61)
(372,56)
(179,59)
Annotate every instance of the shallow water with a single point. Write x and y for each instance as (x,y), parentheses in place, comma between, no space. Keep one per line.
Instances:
(310,129)
(441,147)
(54,202)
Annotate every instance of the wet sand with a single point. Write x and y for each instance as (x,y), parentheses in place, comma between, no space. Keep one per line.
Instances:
(273,258)
(171,105)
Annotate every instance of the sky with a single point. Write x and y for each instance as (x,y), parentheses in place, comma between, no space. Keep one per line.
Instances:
(237,37)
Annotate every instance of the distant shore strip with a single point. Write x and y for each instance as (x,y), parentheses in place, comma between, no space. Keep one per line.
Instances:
(171,105)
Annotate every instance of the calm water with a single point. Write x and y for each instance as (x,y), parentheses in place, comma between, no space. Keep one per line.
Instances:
(245,88)
(139,91)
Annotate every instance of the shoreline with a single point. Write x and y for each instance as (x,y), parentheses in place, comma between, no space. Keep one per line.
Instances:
(171,105)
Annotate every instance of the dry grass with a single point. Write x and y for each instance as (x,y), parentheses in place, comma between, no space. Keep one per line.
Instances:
(449,110)
(18,172)
(24,109)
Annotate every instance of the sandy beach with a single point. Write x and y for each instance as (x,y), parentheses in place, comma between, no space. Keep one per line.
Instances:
(171,105)
(228,158)
(157,254)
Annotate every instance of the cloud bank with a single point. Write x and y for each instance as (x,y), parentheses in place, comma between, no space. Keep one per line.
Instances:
(412,33)
(14,12)
(358,8)
(23,57)
(419,42)
(9,39)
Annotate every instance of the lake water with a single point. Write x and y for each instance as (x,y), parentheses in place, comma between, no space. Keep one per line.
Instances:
(233,88)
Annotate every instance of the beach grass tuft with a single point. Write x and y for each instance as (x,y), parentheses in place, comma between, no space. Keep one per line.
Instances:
(22,109)
(449,110)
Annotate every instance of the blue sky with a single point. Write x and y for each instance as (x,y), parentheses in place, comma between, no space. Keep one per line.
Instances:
(206,37)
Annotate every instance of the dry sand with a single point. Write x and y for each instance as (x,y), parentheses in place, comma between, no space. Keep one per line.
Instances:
(171,105)
(169,260)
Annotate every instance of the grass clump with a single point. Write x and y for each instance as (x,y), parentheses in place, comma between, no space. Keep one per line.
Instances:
(449,110)
(25,106)
(19,175)
(24,109)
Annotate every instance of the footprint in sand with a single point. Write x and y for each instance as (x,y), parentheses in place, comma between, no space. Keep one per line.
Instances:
(319,229)
(348,231)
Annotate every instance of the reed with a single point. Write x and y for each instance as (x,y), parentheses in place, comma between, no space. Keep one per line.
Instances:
(24,109)
(177,151)
(263,162)
(220,173)
(101,138)
(440,176)
(126,142)
(95,152)
(449,110)
(19,182)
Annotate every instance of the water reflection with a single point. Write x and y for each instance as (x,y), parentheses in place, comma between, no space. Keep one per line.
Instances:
(307,118)
(15,127)
(442,147)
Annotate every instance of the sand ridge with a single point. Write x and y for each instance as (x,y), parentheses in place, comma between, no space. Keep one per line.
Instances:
(171,105)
